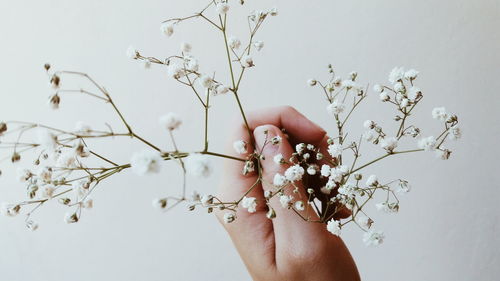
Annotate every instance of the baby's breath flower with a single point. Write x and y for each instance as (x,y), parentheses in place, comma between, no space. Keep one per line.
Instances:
(369,124)
(191,63)
(176,71)
(372,181)
(286,201)
(370,135)
(221,89)
(249,203)
(364,221)
(396,74)
(23,174)
(334,227)
(389,144)
(399,87)
(146,162)
(384,96)
(222,8)
(54,101)
(312,169)
(414,93)
(70,218)
(206,200)
(294,173)
(167,28)
(443,154)
(276,140)
(234,43)
(427,143)
(454,133)
(88,203)
(336,107)
(335,150)
(240,147)
(132,53)
(159,203)
(273,12)
(3,128)
(44,173)
(312,82)
(403,187)
(378,88)
(205,81)
(229,217)
(82,128)
(31,225)
(170,121)
(325,170)
(299,206)
(299,148)
(279,159)
(258,45)
(373,238)
(198,165)
(440,114)
(411,74)
(279,180)
(387,207)
(186,47)
(247,61)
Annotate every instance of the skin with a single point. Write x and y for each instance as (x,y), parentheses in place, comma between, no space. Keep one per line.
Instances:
(287,247)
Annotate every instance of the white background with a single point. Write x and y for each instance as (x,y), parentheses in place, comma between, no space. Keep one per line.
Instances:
(448,226)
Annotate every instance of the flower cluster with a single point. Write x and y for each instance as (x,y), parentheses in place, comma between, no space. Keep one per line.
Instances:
(315,180)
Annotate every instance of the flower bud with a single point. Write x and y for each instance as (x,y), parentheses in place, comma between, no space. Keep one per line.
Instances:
(3,127)
(271,214)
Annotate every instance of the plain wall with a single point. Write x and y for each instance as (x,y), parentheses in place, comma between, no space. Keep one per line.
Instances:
(448,226)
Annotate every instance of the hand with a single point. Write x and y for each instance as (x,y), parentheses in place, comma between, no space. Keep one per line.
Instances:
(286,248)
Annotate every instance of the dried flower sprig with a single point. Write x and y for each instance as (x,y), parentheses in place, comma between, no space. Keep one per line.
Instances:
(331,178)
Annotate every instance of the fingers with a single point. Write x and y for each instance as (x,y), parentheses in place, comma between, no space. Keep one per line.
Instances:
(289,227)
(297,125)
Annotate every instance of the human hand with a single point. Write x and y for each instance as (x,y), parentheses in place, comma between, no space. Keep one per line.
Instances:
(287,247)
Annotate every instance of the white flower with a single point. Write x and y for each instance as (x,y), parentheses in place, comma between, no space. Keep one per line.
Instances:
(443,154)
(273,12)
(348,189)
(403,187)
(191,63)
(170,121)
(286,200)
(234,43)
(23,174)
(279,180)
(300,148)
(325,170)
(404,102)
(240,147)
(373,238)
(349,84)
(387,207)
(411,74)
(364,221)
(186,47)
(80,188)
(279,159)
(249,203)
(47,140)
(369,124)
(276,140)
(333,226)
(414,93)
(31,225)
(83,129)
(259,45)
(47,191)
(370,135)
(205,81)
(372,180)
(229,217)
(10,210)
(132,53)
(427,144)
(159,203)
(440,114)
(312,82)
(454,133)
(247,61)
(146,162)
(336,107)
(389,144)
(384,96)
(221,89)
(299,206)
(312,169)
(44,173)
(335,150)
(222,8)
(198,165)
(399,87)
(66,160)
(294,173)
(70,218)
(378,88)
(206,200)
(175,71)
(396,74)
(167,28)
(88,203)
